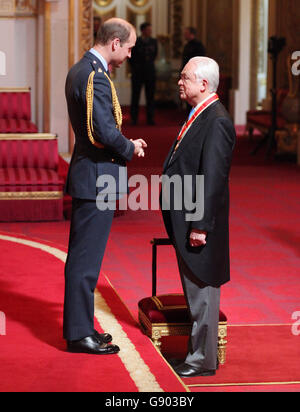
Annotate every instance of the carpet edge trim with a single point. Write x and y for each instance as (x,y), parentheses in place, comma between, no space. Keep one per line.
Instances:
(138,324)
(201,385)
(130,357)
(151,385)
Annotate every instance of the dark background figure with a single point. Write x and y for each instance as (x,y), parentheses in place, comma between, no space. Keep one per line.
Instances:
(143,73)
(96,27)
(193,47)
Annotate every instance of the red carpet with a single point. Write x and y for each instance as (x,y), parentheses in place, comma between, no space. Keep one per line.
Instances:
(254,357)
(33,356)
(265,261)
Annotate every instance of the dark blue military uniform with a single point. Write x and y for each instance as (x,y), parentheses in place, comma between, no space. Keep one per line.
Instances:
(100,149)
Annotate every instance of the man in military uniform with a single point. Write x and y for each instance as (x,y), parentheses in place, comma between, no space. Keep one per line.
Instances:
(143,73)
(100,149)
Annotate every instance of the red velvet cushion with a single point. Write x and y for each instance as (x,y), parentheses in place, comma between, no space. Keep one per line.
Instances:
(17,126)
(265,120)
(258,113)
(15,105)
(38,154)
(168,309)
(30,180)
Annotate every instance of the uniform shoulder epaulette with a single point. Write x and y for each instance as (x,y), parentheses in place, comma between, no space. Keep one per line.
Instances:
(90,103)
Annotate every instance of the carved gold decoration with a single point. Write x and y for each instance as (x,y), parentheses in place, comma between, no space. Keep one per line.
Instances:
(29,136)
(7,7)
(103,3)
(47,67)
(26,7)
(132,16)
(139,3)
(156,331)
(30,195)
(177,12)
(15,89)
(85,26)
(71,61)
(287,139)
(18,8)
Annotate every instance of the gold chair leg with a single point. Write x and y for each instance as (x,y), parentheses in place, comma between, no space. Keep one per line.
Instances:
(156,337)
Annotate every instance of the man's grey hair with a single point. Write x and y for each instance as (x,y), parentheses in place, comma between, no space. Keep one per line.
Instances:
(209,70)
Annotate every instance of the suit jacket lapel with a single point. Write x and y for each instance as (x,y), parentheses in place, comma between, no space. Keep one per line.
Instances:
(191,134)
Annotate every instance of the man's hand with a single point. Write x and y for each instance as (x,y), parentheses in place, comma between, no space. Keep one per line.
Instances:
(197,238)
(139,146)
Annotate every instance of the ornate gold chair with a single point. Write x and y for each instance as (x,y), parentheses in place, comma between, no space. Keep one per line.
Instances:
(167,315)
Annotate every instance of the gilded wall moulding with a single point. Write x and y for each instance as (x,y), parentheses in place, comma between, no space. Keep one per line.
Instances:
(103,3)
(139,3)
(86,26)
(177,11)
(18,8)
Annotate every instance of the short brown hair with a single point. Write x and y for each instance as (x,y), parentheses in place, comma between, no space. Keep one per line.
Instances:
(113,29)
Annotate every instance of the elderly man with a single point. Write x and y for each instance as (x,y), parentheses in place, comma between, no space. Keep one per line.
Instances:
(204,147)
(100,149)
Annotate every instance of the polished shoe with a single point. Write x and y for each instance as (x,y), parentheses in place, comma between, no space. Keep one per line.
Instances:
(186,371)
(175,362)
(104,337)
(91,345)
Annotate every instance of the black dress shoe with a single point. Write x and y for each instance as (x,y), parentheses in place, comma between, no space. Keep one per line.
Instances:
(175,362)
(91,345)
(104,337)
(186,371)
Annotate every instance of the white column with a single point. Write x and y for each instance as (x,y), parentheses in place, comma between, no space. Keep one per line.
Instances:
(2,63)
(242,95)
(59,70)
(17,42)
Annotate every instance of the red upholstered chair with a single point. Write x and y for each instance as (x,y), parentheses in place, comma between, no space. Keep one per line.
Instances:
(30,187)
(15,111)
(167,315)
(262,119)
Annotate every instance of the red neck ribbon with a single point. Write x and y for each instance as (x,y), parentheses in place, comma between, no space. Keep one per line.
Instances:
(203,106)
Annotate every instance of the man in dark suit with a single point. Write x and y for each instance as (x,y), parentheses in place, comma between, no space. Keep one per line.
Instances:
(203,148)
(100,150)
(193,47)
(143,73)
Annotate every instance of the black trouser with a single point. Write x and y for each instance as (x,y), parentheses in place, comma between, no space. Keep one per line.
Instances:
(204,306)
(138,80)
(89,233)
